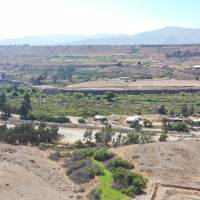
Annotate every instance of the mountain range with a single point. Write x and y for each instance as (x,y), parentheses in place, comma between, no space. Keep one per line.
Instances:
(167,35)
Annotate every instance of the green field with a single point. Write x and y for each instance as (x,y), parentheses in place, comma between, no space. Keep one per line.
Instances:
(78,104)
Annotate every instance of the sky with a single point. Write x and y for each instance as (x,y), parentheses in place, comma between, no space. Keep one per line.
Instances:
(19,18)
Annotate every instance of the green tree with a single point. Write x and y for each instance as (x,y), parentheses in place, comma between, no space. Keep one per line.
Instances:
(163,137)
(88,136)
(136,125)
(2,101)
(184,111)
(162,110)
(165,125)
(25,107)
(7,110)
(105,135)
(144,138)
(109,96)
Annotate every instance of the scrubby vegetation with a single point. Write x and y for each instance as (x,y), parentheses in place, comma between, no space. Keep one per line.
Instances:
(86,105)
(84,164)
(128,182)
(28,134)
(102,155)
(116,163)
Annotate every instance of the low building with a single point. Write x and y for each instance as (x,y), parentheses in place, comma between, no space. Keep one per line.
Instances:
(100,118)
(175,119)
(131,119)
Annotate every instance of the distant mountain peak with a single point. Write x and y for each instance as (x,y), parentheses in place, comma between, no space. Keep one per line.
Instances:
(165,35)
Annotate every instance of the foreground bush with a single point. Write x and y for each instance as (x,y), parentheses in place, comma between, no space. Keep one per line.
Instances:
(80,167)
(95,194)
(81,121)
(163,137)
(102,155)
(128,182)
(119,163)
(80,154)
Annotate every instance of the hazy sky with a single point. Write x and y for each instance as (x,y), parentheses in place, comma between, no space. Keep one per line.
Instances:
(20,18)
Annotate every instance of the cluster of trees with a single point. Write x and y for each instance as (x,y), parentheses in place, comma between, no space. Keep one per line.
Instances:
(107,137)
(183,54)
(186,111)
(6,109)
(173,126)
(63,73)
(28,134)
(37,80)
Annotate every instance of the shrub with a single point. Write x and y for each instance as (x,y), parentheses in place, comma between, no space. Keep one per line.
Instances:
(144,138)
(102,155)
(119,163)
(163,137)
(82,171)
(136,125)
(78,144)
(162,110)
(72,166)
(148,124)
(132,138)
(95,194)
(82,175)
(81,121)
(80,154)
(78,95)
(179,126)
(128,182)
(55,155)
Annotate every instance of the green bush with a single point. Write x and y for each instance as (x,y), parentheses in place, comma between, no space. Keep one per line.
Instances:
(81,121)
(179,126)
(75,165)
(95,194)
(102,155)
(82,175)
(128,182)
(148,124)
(119,163)
(83,153)
(133,138)
(163,137)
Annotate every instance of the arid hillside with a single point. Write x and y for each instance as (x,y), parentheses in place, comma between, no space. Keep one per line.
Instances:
(172,168)
(27,174)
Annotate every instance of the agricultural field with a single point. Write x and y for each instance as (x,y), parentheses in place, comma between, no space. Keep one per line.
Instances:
(79,104)
(67,65)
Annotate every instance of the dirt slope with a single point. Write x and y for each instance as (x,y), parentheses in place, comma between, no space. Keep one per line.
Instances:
(172,168)
(27,174)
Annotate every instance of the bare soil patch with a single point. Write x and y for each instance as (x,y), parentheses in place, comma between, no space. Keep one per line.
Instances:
(137,84)
(27,174)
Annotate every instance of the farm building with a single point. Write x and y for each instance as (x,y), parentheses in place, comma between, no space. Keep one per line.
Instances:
(131,119)
(100,118)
